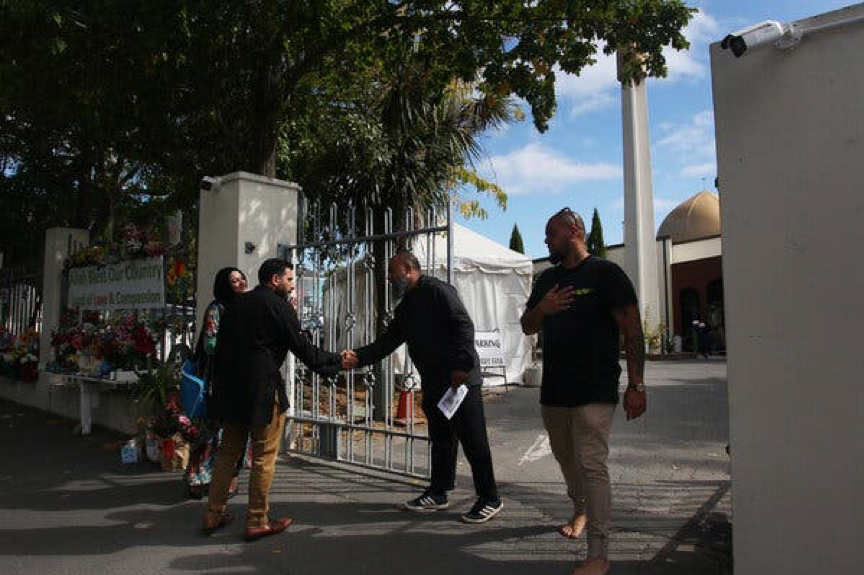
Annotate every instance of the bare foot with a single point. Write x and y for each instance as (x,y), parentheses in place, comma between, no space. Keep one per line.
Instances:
(593,566)
(574,529)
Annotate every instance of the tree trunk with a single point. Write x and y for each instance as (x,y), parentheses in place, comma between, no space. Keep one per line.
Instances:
(83,201)
(265,122)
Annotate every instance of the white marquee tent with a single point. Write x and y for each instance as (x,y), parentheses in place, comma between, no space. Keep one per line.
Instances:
(493,281)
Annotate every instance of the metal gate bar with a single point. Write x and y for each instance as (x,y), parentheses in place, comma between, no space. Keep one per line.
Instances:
(335,418)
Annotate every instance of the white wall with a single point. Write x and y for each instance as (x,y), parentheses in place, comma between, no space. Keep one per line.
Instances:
(698,250)
(246,207)
(268,217)
(60,243)
(218,229)
(790,145)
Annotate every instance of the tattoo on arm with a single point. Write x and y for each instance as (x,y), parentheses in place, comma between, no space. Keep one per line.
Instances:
(634,341)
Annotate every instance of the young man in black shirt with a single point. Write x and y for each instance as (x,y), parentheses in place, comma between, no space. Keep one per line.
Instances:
(248,394)
(432,320)
(582,304)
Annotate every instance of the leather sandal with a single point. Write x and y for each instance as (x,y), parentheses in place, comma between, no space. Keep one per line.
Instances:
(210,527)
(273,527)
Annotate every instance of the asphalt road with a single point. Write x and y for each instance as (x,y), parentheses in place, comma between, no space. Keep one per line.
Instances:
(67,506)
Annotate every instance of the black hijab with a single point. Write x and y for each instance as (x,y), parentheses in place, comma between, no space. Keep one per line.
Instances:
(222,291)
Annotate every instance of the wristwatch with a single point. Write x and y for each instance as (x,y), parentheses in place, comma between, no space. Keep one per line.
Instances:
(640,387)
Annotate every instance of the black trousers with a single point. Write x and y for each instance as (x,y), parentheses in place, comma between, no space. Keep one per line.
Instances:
(467,427)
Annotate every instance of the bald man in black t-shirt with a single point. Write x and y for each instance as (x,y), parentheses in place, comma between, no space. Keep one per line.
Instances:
(583,304)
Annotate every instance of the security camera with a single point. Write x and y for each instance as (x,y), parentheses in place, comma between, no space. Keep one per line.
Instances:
(208,183)
(767,32)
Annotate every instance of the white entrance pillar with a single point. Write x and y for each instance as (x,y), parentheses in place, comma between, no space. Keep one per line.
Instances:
(790,140)
(243,220)
(60,243)
(640,249)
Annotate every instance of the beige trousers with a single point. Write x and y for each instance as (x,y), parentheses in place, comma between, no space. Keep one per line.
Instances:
(265,447)
(579,437)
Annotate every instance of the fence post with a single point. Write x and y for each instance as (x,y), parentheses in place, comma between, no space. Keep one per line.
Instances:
(60,243)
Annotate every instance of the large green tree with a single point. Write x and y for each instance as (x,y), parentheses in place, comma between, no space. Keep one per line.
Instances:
(265,54)
(88,97)
(109,105)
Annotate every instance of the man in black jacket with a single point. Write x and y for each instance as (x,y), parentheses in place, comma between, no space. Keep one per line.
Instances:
(248,395)
(432,320)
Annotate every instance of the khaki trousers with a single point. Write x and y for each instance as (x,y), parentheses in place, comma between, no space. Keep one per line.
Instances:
(266,440)
(579,437)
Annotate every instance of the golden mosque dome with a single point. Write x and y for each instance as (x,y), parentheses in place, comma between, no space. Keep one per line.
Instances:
(694,219)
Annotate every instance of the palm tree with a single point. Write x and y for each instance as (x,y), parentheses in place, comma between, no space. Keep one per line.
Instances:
(434,143)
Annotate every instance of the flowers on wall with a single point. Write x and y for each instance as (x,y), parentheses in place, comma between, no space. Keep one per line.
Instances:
(19,356)
(92,344)
(134,244)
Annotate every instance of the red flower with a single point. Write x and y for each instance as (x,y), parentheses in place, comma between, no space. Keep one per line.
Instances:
(172,405)
(77,342)
(179,268)
(190,433)
(143,341)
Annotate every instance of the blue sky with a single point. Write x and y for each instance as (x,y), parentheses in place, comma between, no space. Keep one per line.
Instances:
(577,162)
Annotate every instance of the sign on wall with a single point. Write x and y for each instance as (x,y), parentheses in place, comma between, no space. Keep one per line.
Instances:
(133,284)
(490,348)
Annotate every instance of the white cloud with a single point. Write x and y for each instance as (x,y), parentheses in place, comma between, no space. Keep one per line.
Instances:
(499,132)
(593,79)
(539,169)
(593,89)
(687,150)
(701,30)
(699,170)
(691,142)
(682,65)
(664,204)
(592,103)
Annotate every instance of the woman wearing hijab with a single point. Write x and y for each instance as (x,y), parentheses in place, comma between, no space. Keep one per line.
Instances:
(228,284)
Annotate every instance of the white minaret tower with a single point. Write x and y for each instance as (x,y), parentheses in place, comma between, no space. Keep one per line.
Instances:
(640,249)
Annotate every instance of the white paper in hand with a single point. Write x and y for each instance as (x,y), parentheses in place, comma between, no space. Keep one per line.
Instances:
(452,400)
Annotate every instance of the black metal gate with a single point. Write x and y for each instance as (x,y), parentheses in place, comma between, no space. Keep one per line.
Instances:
(365,417)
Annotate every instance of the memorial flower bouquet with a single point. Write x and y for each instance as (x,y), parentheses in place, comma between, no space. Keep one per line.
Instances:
(135,243)
(29,365)
(29,341)
(174,432)
(7,340)
(125,342)
(8,366)
(140,244)
(74,339)
(89,256)
(19,356)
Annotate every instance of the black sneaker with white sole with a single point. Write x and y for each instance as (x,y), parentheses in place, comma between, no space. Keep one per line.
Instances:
(483,511)
(428,502)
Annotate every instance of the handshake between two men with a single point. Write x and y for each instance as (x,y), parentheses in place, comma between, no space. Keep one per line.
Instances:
(349,359)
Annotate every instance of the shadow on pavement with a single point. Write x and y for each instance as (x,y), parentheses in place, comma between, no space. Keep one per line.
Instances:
(68,497)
